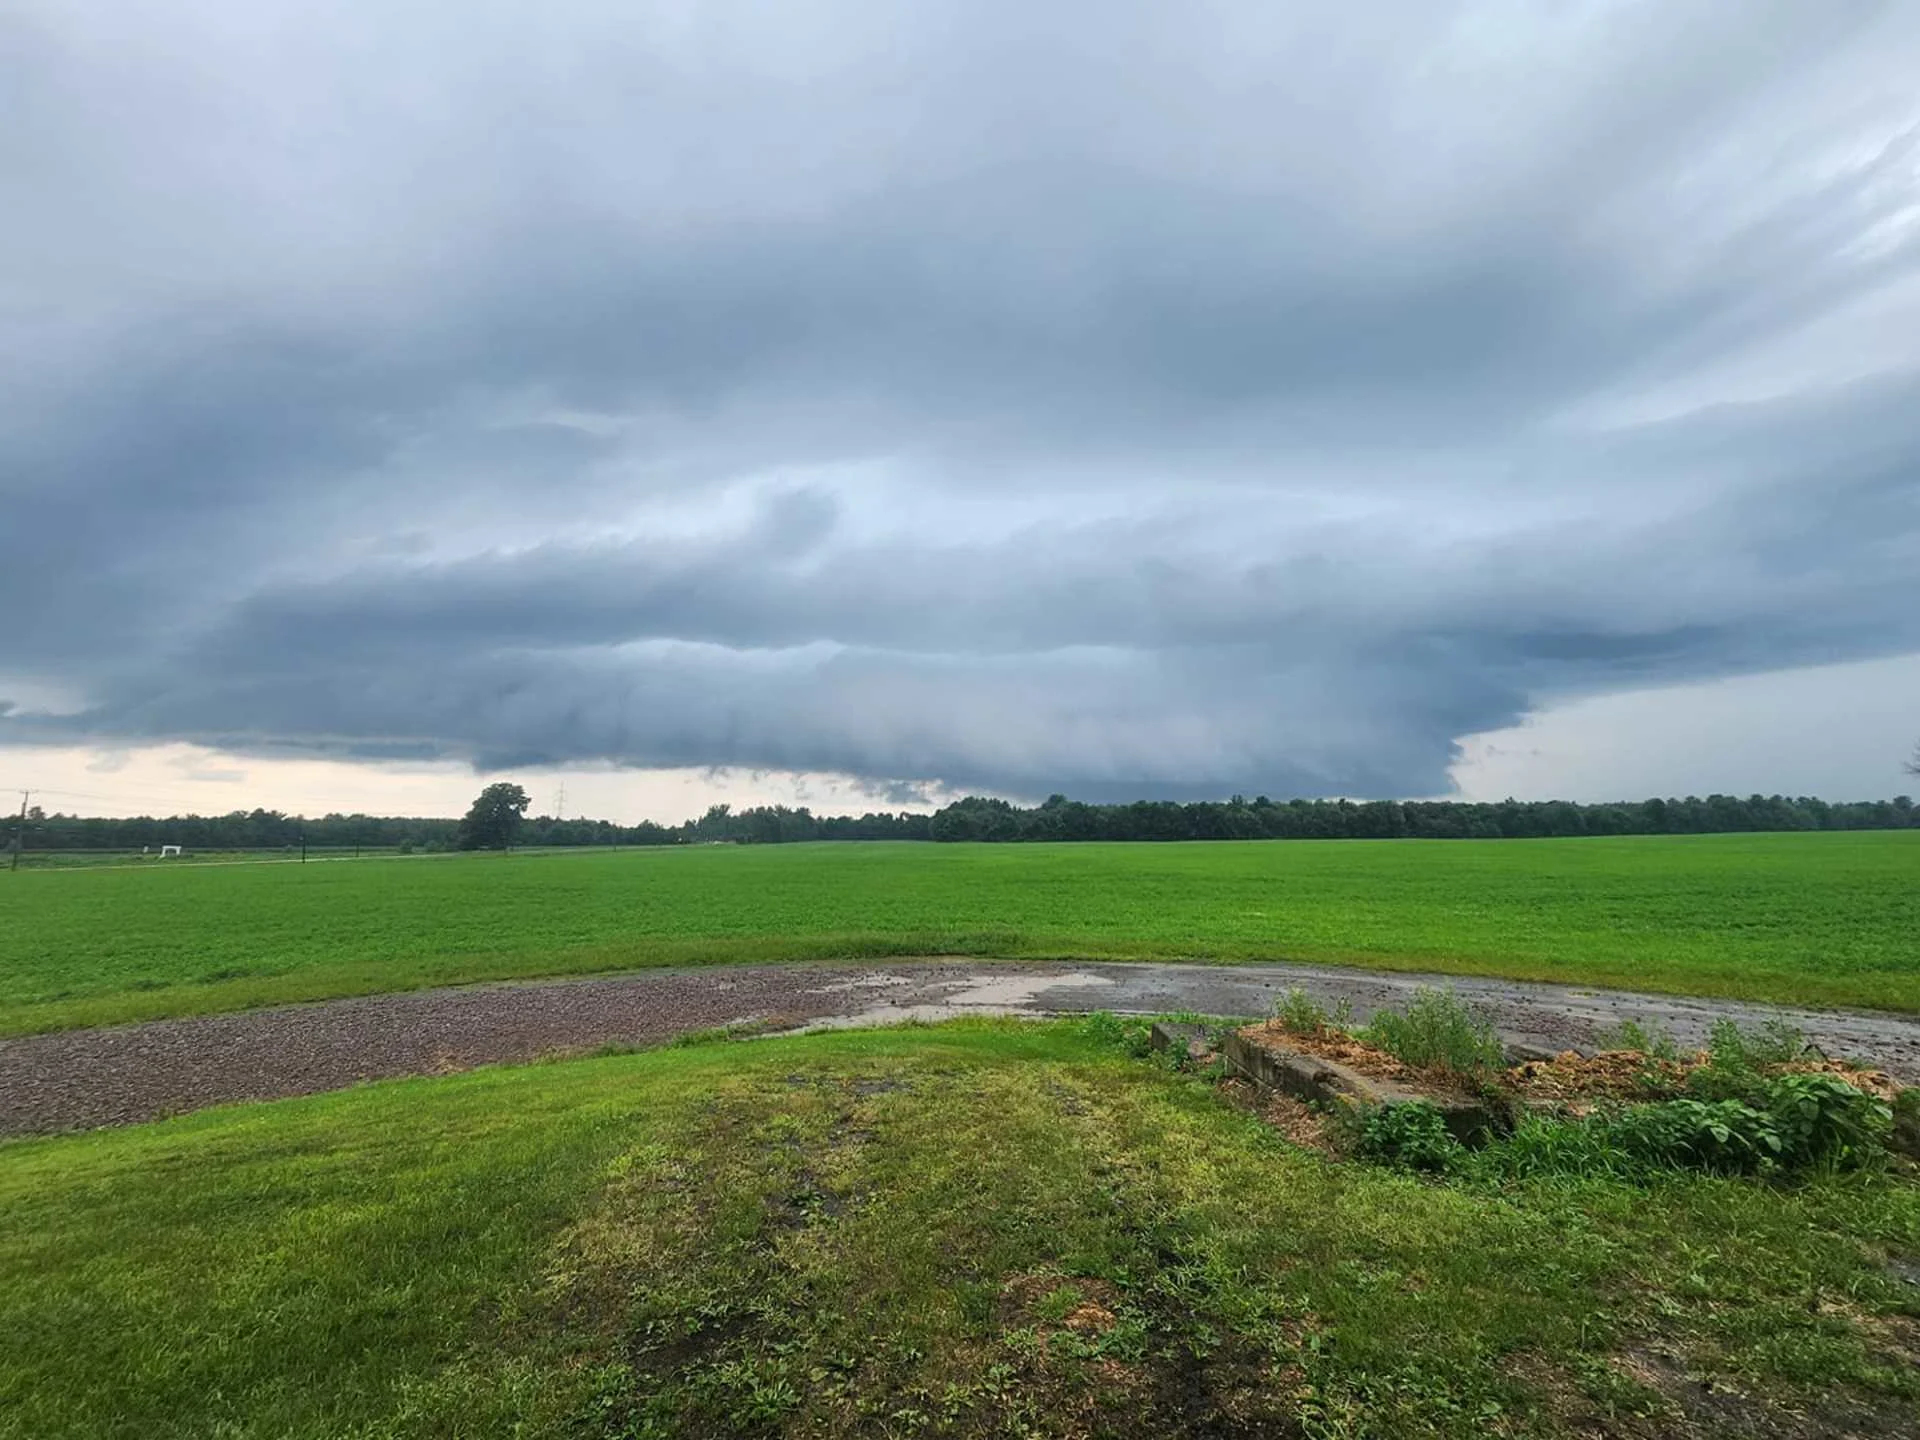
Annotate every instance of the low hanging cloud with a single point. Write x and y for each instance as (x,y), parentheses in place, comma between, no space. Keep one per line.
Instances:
(1113,399)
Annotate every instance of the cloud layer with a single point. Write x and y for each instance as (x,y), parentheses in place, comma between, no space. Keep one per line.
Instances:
(1117,399)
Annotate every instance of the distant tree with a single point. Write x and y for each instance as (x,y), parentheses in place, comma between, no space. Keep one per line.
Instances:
(494,818)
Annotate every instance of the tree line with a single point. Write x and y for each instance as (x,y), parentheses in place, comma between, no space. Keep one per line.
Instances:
(979,818)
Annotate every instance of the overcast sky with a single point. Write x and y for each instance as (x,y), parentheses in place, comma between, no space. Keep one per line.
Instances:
(879,401)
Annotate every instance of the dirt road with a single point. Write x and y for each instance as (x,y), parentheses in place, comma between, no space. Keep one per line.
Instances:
(127,1073)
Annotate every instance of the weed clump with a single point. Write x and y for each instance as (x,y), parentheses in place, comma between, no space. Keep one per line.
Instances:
(1304,1015)
(1737,1060)
(1439,1031)
(1735,1109)
(1653,1040)
(1128,1034)
(1413,1135)
(1789,1124)
(1722,1137)
(1823,1121)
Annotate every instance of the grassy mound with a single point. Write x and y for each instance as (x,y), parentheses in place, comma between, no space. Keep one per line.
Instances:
(971,1230)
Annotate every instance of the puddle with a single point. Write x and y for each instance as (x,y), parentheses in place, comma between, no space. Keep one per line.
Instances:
(902,1014)
(1016,990)
(879,980)
(996,994)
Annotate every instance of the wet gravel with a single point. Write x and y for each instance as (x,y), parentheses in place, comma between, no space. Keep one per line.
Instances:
(84,1078)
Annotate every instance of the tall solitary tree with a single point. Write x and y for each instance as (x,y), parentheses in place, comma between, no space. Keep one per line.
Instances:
(495,816)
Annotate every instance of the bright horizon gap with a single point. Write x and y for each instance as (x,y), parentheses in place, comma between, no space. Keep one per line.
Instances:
(1739,736)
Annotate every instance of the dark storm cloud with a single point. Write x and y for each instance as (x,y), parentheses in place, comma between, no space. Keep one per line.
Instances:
(1108,400)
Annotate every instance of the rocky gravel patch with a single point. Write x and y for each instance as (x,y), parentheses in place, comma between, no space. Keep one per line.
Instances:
(84,1078)
(112,1076)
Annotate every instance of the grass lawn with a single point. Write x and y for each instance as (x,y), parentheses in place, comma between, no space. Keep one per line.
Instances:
(1821,919)
(983,1229)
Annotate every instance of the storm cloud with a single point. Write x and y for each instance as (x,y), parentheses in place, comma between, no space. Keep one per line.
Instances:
(1120,399)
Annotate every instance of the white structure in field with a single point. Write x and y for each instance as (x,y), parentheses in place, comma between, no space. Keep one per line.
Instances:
(166,850)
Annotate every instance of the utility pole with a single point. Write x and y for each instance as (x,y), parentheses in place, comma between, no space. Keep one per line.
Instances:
(560,803)
(20,829)
(303,844)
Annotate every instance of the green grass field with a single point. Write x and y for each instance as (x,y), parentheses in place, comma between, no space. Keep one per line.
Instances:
(1820,919)
(983,1229)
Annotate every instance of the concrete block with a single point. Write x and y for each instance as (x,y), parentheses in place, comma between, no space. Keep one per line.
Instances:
(1180,1035)
(1326,1082)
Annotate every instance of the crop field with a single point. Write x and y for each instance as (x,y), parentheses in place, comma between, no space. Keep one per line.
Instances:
(125,859)
(1815,919)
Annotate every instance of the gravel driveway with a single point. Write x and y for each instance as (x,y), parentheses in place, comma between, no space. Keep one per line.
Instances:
(112,1076)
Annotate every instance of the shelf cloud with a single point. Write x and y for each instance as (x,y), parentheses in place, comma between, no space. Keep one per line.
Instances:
(1120,399)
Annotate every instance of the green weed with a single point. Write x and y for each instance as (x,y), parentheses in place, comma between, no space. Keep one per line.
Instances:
(1772,1042)
(1822,1120)
(1304,1015)
(1414,1135)
(1737,1059)
(1652,1039)
(1438,1031)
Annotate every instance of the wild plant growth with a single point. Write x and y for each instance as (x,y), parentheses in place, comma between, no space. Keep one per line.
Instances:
(1438,1031)
(1413,1135)
(1304,1015)
(1650,1038)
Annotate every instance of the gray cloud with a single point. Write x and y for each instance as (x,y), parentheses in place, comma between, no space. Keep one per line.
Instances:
(1104,400)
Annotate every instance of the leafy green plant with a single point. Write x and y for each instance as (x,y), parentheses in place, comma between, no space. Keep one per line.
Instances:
(1414,1135)
(1438,1032)
(1799,1122)
(1722,1136)
(1822,1120)
(1128,1034)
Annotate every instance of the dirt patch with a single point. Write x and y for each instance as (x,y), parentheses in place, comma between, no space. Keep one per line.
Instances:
(131,1073)
(1053,1304)
(1620,1076)
(1339,1047)
(1575,1079)
(1714,1405)
(1296,1121)
(127,1073)
(1649,1392)
(1569,1080)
